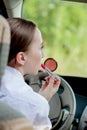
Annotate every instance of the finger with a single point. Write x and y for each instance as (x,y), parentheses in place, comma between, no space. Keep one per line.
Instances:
(51,81)
(57,83)
(47,78)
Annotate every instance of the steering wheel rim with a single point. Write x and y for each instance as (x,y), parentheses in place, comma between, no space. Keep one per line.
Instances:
(65,99)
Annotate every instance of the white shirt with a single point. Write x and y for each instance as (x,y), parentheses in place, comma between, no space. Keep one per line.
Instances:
(20,96)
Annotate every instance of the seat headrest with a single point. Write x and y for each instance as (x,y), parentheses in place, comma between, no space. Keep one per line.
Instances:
(4,44)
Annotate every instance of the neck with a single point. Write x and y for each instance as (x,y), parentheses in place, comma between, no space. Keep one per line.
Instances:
(18,67)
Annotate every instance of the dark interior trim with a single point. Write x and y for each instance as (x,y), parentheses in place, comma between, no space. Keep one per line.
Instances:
(3,9)
(78,84)
(82,1)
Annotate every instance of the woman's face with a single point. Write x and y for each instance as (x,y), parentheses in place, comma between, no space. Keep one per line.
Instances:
(34,54)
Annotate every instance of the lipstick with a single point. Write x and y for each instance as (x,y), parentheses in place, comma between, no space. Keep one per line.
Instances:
(49,72)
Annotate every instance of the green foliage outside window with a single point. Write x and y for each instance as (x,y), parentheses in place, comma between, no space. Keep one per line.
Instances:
(64,30)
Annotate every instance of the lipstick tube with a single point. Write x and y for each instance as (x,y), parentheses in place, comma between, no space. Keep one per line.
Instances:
(49,72)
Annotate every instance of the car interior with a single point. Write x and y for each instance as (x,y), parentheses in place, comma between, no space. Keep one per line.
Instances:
(68,107)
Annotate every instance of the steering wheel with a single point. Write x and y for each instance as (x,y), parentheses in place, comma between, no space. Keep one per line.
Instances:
(62,105)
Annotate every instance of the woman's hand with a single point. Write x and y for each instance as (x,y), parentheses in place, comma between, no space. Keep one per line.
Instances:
(49,87)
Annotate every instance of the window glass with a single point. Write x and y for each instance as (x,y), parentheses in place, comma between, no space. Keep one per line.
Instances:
(64,29)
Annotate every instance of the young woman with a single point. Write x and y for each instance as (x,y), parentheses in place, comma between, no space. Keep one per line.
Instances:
(25,58)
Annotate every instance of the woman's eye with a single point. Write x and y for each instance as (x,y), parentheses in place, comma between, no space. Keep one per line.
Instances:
(42,47)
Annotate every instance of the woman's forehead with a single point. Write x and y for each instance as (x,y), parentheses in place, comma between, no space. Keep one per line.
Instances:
(37,36)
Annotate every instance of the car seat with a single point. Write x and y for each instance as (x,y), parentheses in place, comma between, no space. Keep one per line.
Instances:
(10,119)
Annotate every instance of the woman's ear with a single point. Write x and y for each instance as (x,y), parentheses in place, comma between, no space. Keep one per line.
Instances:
(21,58)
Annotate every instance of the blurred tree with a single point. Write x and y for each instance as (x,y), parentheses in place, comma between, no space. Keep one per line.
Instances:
(64,29)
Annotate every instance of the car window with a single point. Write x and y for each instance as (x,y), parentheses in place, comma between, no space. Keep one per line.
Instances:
(64,29)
